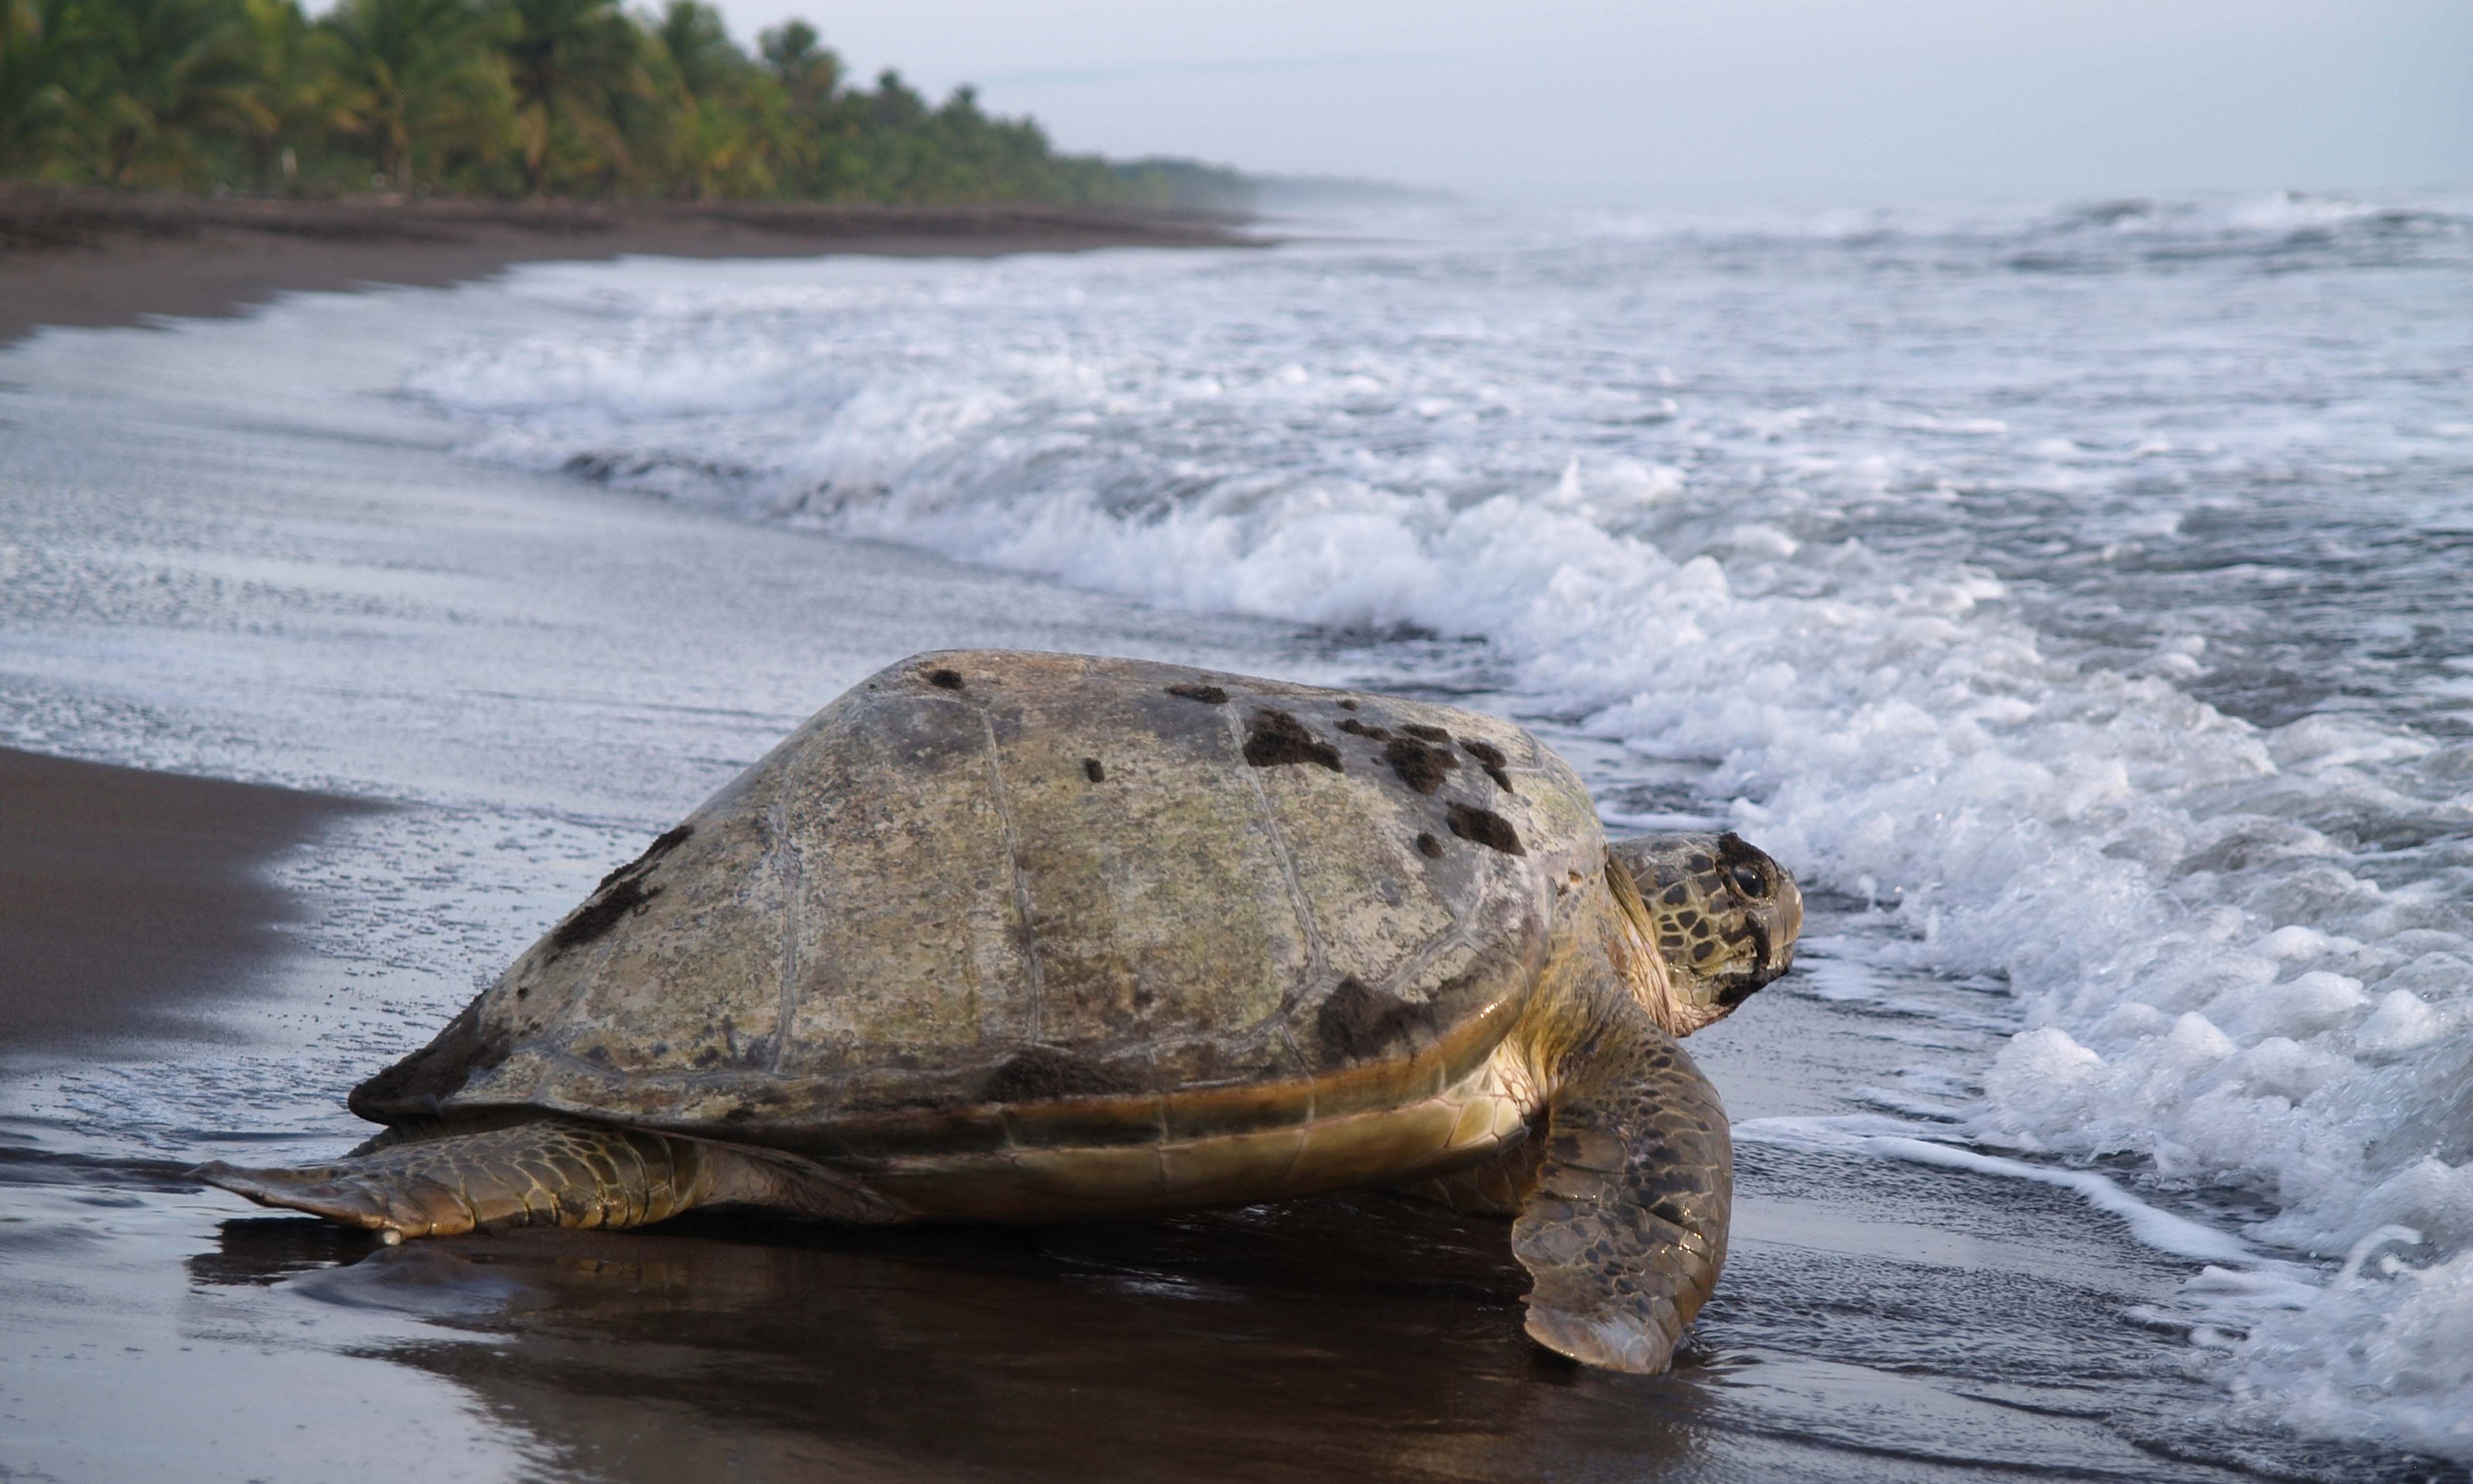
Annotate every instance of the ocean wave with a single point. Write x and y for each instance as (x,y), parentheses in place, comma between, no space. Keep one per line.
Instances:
(2274,232)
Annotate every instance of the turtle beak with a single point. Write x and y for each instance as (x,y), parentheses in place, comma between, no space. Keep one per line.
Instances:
(1772,914)
(1790,921)
(1761,975)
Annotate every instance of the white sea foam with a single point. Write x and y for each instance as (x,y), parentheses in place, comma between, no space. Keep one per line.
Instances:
(2377,1353)
(1753,500)
(1890,1140)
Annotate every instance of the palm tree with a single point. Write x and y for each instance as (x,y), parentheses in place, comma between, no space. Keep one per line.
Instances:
(569,62)
(698,47)
(158,75)
(814,125)
(40,42)
(409,78)
(276,39)
(716,131)
(810,73)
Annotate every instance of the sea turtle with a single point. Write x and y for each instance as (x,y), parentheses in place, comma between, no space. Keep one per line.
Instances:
(1024,937)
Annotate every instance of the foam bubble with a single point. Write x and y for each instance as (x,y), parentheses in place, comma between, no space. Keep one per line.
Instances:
(2384,1352)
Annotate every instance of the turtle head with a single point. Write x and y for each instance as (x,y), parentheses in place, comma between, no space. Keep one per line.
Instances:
(1722,914)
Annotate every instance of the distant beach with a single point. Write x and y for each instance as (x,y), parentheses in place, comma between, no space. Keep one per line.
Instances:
(95,257)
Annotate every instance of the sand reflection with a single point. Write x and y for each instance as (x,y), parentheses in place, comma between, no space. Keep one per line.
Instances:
(1365,1337)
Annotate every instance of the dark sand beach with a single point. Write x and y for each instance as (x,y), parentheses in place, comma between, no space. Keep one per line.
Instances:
(106,257)
(136,899)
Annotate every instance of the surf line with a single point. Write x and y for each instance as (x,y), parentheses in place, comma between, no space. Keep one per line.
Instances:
(2154,1228)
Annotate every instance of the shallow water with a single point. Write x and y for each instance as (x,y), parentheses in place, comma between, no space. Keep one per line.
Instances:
(2066,596)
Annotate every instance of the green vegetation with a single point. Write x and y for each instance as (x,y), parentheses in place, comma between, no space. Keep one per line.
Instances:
(508,98)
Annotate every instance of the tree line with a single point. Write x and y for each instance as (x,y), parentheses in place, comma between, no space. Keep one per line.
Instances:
(506,98)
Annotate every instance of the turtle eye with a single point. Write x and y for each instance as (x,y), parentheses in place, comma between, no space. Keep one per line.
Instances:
(1750,881)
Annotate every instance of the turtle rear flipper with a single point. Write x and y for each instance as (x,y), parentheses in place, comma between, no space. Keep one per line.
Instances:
(1626,1230)
(548,1172)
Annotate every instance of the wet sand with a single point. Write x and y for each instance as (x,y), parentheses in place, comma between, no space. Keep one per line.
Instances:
(1870,1329)
(135,900)
(104,258)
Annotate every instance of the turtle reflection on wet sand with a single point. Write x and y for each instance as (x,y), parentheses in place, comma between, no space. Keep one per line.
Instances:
(1028,938)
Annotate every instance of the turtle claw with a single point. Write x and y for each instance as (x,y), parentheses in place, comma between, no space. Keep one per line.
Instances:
(547,1172)
(311,1191)
(1607,1342)
(336,1193)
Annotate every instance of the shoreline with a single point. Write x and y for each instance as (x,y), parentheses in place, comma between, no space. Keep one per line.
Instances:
(96,257)
(136,899)
(544,672)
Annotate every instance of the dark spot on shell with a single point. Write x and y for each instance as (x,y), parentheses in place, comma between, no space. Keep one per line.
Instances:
(1360,729)
(1685,919)
(662,845)
(1487,829)
(434,1073)
(1038,1074)
(1428,733)
(944,679)
(1677,894)
(1208,695)
(1419,766)
(1701,950)
(598,915)
(1490,757)
(1700,929)
(1358,1024)
(1673,940)
(1429,846)
(1093,770)
(1697,863)
(1279,738)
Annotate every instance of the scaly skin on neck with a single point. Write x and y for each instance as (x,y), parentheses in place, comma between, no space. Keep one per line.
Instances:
(1602,940)
(1605,962)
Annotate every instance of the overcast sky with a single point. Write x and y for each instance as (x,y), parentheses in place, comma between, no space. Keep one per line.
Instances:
(1791,101)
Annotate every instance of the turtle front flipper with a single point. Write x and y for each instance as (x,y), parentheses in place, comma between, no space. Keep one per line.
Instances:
(1626,1230)
(548,1172)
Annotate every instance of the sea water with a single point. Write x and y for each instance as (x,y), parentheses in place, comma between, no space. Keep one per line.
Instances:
(2073,597)
(2083,590)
